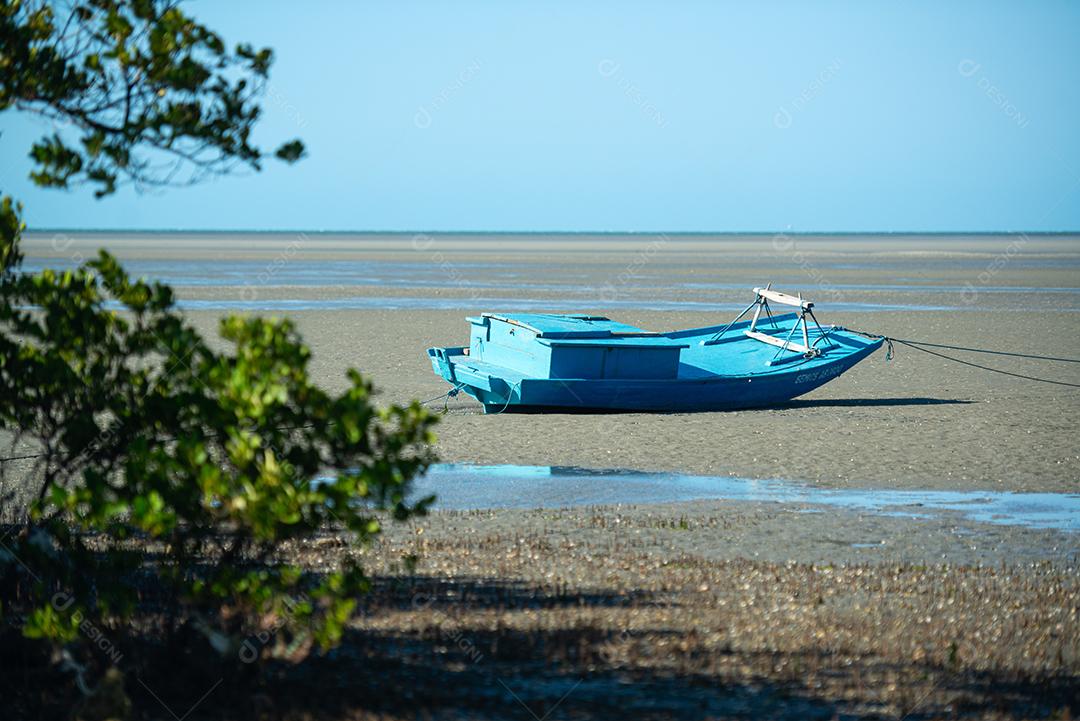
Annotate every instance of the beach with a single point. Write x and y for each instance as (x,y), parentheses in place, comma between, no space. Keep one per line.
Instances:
(790,592)
(915,421)
(376,302)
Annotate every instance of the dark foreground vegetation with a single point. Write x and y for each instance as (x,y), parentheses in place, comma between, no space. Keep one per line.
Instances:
(150,482)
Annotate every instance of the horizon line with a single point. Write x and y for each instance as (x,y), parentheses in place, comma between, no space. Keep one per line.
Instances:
(293,231)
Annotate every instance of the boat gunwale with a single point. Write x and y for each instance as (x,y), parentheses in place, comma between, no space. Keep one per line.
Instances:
(512,376)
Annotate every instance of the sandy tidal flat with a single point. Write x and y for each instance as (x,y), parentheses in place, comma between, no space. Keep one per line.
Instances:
(686,610)
(918,421)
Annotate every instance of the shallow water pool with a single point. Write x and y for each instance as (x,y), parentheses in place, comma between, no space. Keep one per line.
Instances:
(467,486)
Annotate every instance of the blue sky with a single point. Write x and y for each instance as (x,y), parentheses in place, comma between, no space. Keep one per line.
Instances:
(591,116)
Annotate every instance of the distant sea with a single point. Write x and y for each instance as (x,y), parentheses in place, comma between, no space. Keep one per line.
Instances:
(282,271)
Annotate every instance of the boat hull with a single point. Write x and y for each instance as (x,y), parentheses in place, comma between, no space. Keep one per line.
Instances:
(772,386)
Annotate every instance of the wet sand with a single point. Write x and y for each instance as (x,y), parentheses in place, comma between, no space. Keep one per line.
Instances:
(915,422)
(713,608)
(710,611)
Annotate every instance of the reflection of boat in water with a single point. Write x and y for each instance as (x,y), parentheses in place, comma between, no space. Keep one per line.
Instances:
(534,362)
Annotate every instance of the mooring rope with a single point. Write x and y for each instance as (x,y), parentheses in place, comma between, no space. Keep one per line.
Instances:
(448,395)
(166,439)
(993,352)
(21,458)
(445,397)
(889,354)
(988,368)
(509,397)
(917,345)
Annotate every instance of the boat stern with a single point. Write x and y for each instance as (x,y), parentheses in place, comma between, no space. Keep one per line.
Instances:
(440,361)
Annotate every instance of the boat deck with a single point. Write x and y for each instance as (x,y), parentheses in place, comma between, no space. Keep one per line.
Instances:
(734,355)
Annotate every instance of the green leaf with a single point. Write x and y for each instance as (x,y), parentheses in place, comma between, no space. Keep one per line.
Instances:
(291,152)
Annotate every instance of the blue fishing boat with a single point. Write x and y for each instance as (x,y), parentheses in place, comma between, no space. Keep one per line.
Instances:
(540,362)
